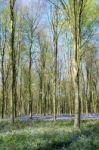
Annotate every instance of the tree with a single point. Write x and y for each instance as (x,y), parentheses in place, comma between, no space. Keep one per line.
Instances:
(56,28)
(12,13)
(79,28)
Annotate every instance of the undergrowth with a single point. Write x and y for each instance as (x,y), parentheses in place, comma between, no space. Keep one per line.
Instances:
(59,135)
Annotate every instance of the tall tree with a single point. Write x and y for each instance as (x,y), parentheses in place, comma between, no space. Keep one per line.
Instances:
(12,13)
(80,27)
(56,27)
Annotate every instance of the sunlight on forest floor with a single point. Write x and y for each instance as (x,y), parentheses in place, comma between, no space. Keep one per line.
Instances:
(59,135)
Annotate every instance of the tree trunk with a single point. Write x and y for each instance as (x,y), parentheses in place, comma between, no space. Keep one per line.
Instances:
(30,92)
(78,4)
(12,4)
(77,103)
(3,83)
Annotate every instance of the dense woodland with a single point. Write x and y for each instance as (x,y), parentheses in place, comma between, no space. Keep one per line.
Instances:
(49,58)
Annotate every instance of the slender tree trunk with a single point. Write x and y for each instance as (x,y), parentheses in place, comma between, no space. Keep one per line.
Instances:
(3,75)
(20,98)
(55,97)
(30,88)
(3,83)
(17,72)
(12,4)
(40,94)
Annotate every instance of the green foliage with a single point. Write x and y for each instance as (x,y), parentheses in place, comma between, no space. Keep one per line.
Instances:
(49,136)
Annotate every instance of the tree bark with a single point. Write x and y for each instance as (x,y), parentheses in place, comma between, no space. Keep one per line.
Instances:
(12,4)
(30,88)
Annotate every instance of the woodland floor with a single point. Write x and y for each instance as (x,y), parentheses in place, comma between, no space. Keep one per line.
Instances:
(49,135)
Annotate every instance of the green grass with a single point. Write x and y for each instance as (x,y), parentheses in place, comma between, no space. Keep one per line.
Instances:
(59,135)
